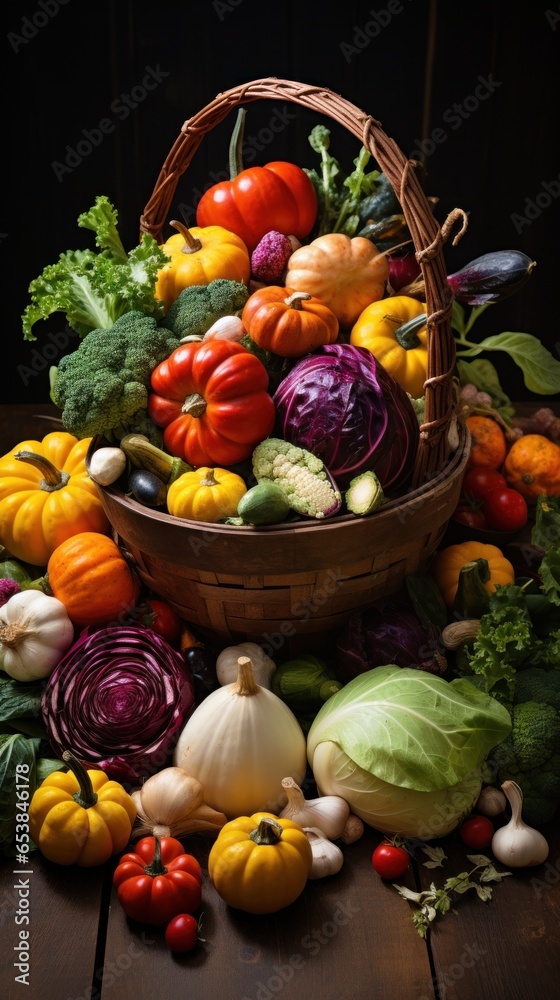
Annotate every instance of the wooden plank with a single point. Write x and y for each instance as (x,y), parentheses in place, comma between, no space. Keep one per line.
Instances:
(507,948)
(346,935)
(65,908)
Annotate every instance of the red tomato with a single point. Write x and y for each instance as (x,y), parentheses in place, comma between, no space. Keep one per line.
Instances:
(505,510)
(480,481)
(163,620)
(477,832)
(182,933)
(277,196)
(389,860)
(469,516)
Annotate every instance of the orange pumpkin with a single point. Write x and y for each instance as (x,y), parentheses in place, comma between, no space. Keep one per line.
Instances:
(532,466)
(488,442)
(287,322)
(92,578)
(448,563)
(345,273)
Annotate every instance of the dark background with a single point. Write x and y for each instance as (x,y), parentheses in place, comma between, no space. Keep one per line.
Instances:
(68,65)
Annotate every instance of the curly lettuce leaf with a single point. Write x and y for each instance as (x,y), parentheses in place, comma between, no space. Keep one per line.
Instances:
(503,642)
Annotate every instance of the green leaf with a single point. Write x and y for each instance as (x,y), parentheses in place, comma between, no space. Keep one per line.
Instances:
(436,855)
(458,317)
(19,699)
(546,529)
(484,892)
(475,312)
(549,572)
(541,371)
(482,374)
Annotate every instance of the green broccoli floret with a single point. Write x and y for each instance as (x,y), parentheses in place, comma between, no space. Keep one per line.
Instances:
(530,755)
(102,387)
(300,474)
(537,684)
(199,306)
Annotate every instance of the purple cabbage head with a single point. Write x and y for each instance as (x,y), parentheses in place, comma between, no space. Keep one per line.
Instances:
(342,405)
(374,639)
(118,700)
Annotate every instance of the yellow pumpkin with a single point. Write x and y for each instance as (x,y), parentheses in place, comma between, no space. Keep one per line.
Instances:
(345,273)
(449,562)
(393,331)
(260,863)
(199,256)
(206,494)
(46,496)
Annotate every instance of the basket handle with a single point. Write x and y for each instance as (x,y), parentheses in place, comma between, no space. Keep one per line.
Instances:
(427,235)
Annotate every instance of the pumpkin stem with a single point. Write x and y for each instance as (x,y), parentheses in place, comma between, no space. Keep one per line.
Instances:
(209,479)
(192,244)
(406,335)
(236,145)
(53,478)
(246,684)
(267,832)
(85,797)
(194,405)
(295,300)
(156,866)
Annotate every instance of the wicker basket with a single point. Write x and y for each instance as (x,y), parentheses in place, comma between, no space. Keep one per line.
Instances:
(293,587)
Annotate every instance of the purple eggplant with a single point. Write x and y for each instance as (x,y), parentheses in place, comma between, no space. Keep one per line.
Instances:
(492,277)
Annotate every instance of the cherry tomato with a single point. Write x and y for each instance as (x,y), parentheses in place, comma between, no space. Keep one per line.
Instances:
(477,832)
(163,620)
(389,860)
(480,481)
(182,933)
(505,510)
(469,516)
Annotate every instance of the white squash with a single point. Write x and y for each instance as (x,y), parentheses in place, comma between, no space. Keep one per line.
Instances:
(263,666)
(35,632)
(239,743)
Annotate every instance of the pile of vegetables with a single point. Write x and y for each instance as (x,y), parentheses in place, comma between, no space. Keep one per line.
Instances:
(256,370)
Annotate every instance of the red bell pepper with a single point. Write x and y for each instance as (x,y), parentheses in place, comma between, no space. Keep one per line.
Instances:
(278,196)
(211,399)
(158,881)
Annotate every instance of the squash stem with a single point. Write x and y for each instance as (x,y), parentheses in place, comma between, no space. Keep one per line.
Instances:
(236,145)
(194,405)
(53,478)
(268,832)
(406,334)
(85,797)
(156,866)
(192,244)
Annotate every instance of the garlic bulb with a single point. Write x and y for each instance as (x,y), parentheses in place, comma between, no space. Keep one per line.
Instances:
(106,465)
(226,663)
(171,804)
(353,830)
(226,328)
(327,857)
(516,844)
(35,632)
(329,813)
(491,801)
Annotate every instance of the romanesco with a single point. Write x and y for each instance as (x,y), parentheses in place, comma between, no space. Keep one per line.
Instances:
(301,475)
(199,306)
(102,387)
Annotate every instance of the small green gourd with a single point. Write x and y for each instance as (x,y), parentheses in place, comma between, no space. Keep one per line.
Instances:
(265,503)
(11,569)
(304,683)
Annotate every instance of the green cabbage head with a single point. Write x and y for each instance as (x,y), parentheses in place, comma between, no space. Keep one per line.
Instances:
(405,748)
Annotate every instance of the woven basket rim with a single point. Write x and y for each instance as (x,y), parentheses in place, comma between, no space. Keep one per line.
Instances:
(396,506)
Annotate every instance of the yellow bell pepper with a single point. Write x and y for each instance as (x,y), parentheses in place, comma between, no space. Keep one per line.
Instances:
(198,256)
(80,817)
(392,329)
(260,863)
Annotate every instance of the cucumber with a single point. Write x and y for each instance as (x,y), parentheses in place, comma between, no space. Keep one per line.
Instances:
(265,503)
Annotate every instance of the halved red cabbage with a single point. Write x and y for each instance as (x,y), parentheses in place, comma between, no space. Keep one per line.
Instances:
(118,700)
(341,404)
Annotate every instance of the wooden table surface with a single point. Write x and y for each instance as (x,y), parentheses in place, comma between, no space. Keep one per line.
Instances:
(347,936)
